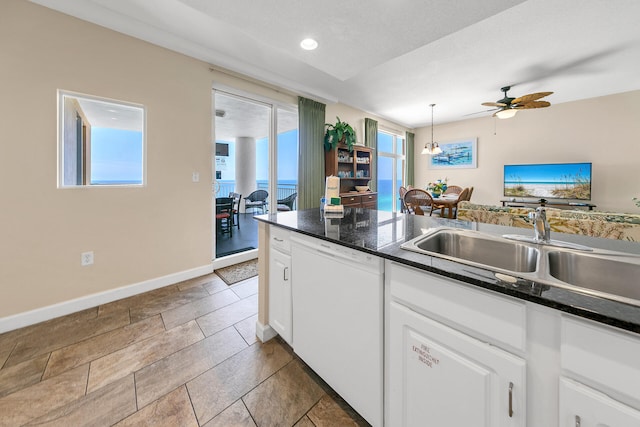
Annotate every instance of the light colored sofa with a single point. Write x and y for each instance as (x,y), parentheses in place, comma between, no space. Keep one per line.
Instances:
(589,223)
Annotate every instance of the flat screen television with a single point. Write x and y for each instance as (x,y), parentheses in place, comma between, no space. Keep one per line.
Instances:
(565,181)
(222,149)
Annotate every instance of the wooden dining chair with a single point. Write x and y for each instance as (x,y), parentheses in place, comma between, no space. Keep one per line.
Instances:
(453,189)
(418,202)
(470,193)
(465,195)
(224,215)
(237,197)
(401,192)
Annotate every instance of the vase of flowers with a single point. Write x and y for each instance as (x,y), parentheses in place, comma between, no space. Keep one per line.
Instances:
(438,187)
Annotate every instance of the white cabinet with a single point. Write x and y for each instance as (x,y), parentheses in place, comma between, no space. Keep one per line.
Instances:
(441,376)
(582,406)
(601,376)
(280,302)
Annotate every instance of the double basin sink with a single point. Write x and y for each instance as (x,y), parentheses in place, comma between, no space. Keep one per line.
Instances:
(606,274)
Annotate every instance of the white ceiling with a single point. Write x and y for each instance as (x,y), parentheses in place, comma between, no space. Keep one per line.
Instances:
(246,118)
(114,115)
(393,58)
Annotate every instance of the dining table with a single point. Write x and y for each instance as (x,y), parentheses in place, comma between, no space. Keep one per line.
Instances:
(446,203)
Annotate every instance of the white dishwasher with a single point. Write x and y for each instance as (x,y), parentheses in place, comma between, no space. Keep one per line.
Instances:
(338,320)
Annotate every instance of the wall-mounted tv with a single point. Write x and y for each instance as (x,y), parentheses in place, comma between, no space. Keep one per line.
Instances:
(222,149)
(571,181)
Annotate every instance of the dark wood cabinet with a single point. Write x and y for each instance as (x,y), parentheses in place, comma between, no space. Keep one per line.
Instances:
(368,200)
(354,169)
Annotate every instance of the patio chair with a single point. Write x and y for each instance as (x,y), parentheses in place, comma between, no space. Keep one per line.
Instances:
(286,204)
(256,200)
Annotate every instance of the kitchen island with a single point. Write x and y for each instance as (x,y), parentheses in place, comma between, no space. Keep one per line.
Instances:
(538,329)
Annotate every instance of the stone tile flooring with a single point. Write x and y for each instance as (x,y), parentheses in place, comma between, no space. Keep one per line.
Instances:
(183,355)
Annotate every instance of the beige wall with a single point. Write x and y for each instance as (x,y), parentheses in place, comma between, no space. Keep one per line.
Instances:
(604,131)
(356,118)
(137,234)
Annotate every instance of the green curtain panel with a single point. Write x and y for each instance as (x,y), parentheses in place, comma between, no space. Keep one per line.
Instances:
(311,151)
(371,140)
(409,159)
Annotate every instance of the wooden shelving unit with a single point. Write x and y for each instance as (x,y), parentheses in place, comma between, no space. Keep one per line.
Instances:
(354,169)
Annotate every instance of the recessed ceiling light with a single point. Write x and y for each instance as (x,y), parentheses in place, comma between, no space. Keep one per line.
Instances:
(308,44)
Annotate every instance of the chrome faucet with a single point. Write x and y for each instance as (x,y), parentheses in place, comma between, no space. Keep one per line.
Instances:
(541,225)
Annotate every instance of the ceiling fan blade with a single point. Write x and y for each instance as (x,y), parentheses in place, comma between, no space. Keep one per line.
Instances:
(531,97)
(480,112)
(494,104)
(532,104)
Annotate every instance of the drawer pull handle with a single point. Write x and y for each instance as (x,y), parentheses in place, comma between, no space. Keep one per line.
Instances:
(278,240)
(285,276)
(510,400)
(577,421)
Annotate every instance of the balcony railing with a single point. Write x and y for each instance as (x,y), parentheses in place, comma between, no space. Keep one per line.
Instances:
(284,189)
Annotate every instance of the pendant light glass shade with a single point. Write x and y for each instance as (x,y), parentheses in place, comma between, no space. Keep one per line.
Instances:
(431,148)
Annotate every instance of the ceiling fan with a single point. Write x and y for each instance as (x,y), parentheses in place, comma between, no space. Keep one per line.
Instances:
(508,107)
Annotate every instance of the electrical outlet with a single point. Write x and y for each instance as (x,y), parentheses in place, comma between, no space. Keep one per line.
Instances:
(195,177)
(86,258)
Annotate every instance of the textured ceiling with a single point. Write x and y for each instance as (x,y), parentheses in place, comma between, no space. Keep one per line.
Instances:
(394,58)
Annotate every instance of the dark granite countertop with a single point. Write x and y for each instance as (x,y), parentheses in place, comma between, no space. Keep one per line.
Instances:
(381,233)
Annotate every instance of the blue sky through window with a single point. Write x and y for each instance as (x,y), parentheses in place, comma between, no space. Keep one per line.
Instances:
(116,156)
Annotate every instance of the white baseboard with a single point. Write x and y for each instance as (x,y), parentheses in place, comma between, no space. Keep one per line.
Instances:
(38,315)
(264,332)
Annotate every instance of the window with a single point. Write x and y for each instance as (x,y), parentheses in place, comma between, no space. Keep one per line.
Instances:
(101,142)
(391,170)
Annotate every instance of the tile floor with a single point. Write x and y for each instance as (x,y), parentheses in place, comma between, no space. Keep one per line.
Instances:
(183,355)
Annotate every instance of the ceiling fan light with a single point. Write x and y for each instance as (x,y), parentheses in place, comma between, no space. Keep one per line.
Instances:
(506,113)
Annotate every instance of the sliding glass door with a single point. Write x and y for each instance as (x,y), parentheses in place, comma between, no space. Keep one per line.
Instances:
(256,144)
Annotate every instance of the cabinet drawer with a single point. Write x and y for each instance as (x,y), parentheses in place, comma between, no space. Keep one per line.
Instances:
(494,318)
(369,201)
(355,200)
(601,356)
(280,238)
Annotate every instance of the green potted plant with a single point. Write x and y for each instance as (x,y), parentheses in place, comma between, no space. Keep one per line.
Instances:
(339,133)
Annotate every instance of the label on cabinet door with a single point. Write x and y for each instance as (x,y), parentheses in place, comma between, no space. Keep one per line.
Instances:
(425,356)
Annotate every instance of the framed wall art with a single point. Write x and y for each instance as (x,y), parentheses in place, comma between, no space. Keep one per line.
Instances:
(459,154)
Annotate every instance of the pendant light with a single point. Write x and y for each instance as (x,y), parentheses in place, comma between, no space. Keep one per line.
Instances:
(431,148)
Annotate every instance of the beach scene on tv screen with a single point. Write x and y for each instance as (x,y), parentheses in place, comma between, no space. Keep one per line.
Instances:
(559,181)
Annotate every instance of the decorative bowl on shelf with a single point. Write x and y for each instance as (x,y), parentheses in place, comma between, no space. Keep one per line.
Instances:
(362,188)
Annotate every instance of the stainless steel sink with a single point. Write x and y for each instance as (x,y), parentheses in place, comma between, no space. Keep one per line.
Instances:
(477,249)
(602,273)
(612,277)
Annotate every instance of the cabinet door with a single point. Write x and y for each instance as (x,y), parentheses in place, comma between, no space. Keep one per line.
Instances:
(442,377)
(280,317)
(582,406)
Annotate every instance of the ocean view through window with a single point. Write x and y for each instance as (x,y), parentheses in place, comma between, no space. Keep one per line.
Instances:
(391,170)
(101,141)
